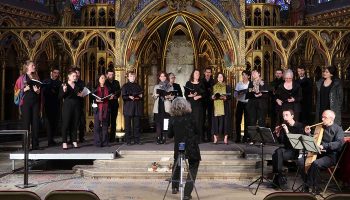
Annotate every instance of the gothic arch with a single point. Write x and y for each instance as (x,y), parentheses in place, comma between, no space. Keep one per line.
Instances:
(46,39)
(11,22)
(148,12)
(312,37)
(274,43)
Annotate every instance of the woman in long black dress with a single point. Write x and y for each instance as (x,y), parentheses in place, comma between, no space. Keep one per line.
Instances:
(329,94)
(70,93)
(288,96)
(194,92)
(222,117)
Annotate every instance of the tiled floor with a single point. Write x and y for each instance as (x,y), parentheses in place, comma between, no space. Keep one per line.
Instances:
(135,189)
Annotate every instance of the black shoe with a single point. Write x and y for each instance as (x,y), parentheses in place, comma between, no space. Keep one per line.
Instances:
(187,197)
(175,190)
(139,143)
(37,148)
(316,191)
(52,143)
(305,189)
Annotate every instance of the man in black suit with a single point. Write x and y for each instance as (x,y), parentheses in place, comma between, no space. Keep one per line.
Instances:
(113,104)
(81,84)
(52,104)
(208,105)
(306,101)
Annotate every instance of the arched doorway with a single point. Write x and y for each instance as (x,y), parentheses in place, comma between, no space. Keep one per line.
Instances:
(178,37)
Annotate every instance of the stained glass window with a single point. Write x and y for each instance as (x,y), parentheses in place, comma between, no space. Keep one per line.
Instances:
(39,1)
(283,3)
(79,3)
(323,1)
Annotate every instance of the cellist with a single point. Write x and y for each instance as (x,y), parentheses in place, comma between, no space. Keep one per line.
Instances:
(331,144)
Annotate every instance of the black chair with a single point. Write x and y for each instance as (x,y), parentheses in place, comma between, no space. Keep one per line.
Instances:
(18,195)
(338,197)
(290,196)
(71,195)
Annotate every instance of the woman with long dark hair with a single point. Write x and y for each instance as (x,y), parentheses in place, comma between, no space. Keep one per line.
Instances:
(222,112)
(101,112)
(162,103)
(27,97)
(194,93)
(329,94)
(70,93)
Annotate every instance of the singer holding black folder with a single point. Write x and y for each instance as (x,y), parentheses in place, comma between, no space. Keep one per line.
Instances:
(194,92)
(241,108)
(287,152)
(132,109)
(162,102)
(222,112)
(71,108)
(101,112)
(258,98)
(28,92)
(288,96)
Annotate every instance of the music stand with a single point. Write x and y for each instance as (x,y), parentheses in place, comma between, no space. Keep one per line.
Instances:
(262,135)
(304,143)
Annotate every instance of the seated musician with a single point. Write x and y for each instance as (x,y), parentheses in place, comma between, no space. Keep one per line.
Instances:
(287,152)
(332,141)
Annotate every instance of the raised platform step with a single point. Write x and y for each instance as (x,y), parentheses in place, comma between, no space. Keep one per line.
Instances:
(105,173)
(138,164)
(206,155)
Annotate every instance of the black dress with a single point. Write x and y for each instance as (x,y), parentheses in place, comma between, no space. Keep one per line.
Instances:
(71,112)
(178,90)
(196,105)
(223,124)
(324,100)
(283,94)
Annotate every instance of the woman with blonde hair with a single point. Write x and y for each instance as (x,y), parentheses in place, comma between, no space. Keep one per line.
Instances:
(27,97)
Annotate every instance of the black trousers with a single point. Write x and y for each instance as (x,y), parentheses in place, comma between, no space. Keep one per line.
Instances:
(207,119)
(113,121)
(282,154)
(313,177)
(193,169)
(132,128)
(197,114)
(52,117)
(240,110)
(30,114)
(82,123)
(257,112)
(70,119)
(101,137)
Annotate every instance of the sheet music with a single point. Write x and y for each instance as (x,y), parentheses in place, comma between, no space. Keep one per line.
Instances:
(166,124)
(85,92)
